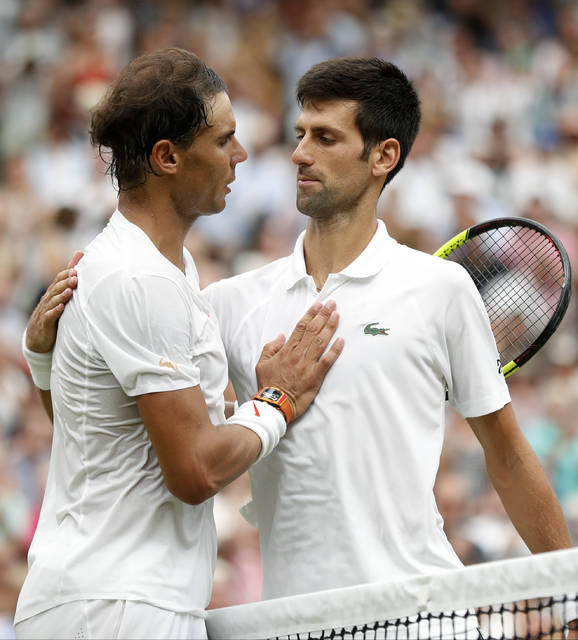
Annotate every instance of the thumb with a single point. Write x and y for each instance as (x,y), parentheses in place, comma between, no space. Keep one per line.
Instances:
(271,348)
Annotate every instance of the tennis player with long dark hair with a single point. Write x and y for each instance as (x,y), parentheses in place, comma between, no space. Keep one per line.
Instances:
(126,544)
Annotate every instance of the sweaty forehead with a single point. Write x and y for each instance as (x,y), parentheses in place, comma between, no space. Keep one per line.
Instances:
(331,113)
(220,113)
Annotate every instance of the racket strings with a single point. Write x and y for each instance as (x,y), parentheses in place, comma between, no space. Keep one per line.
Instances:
(520,274)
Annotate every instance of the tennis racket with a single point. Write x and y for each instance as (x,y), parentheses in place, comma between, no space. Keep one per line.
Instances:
(523,274)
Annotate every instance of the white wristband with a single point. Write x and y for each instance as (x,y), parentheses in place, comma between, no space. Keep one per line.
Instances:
(266,421)
(40,365)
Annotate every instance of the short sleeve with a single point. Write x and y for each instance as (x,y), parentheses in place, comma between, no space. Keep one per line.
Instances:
(476,385)
(141,326)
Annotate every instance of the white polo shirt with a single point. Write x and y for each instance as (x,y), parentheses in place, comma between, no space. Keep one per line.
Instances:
(347,496)
(109,527)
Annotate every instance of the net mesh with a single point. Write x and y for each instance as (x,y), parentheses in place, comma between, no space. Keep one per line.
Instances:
(523,598)
(520,275)
(526,619)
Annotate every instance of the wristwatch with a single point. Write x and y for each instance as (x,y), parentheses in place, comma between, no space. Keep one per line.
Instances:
(276,398)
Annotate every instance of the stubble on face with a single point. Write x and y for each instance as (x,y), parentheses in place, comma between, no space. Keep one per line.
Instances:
(208,164)
(333,174)
(327,202)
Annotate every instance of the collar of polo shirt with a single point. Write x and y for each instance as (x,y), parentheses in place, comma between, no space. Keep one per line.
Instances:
(371,260)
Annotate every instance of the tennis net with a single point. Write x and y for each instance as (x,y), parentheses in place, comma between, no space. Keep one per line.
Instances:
(522,598)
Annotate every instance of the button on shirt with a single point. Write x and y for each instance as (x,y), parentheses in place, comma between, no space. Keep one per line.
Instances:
(347,496)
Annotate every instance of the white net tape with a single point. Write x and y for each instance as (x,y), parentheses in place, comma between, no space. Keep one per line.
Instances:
(529,597)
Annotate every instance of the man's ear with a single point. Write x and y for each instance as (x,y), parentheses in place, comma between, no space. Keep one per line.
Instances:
(163,157)
(385,156)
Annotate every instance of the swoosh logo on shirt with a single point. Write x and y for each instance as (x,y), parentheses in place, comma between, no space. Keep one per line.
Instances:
(168,364)
(256,410)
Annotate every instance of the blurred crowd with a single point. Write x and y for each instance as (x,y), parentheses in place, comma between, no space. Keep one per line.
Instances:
(498,80)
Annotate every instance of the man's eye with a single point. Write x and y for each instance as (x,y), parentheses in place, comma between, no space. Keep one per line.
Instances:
(326,140)
(226,139)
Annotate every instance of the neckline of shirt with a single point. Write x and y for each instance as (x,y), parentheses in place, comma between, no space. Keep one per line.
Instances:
(119,216)
(369,262)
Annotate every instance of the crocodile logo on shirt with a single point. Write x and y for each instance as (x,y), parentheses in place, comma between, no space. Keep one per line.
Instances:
(372,330)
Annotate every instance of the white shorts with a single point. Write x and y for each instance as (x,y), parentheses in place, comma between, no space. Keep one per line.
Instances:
(108,620)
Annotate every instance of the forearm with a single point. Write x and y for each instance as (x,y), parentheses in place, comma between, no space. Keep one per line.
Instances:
(40,335)
(46,398)
(520,481)
(531,503)
(225,453)
(196,471)
(198,458)
(40,364)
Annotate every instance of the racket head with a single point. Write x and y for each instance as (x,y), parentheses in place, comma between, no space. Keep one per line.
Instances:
(524,276)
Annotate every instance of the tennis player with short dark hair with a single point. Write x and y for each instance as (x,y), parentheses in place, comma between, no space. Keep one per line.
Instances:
(347,496)
(126,543)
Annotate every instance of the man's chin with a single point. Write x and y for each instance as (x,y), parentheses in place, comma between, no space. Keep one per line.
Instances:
(313,208)
(305,206)
(218,207)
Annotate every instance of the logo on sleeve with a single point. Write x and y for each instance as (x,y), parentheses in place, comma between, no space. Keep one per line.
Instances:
(372,330)
(168,364)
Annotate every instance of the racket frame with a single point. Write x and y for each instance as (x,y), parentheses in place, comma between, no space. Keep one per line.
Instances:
(467,234)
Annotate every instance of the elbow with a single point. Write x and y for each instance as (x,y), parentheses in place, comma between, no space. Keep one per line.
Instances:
(193,489)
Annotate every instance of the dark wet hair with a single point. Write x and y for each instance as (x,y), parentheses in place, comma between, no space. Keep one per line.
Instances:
(160,95)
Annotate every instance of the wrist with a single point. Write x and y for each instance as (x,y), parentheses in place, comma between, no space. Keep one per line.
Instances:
(265,421)
(276,397)
(40,365)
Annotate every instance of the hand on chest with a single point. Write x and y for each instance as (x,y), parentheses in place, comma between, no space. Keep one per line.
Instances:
(378,328)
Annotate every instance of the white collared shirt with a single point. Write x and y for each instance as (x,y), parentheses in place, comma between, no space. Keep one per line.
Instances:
(347,496)
(109,527)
